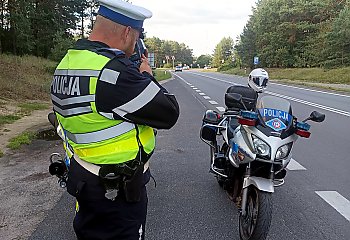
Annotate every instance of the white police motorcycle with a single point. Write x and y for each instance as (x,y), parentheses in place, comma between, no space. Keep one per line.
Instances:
(250,146)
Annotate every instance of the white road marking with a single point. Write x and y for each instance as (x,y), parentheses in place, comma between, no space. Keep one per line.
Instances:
(333,198)
(198,90)
(202,94)
(205,97)
(195,88)
(337,201)
(344,113)
(295,166)
(311,90)
(338,111)
(214,78)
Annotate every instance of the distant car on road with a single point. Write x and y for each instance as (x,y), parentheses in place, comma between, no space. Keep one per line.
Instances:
(178,69)
(185,68)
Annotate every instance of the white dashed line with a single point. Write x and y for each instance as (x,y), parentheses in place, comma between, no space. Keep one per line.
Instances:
(295,166)
(214,78)
(338,111)
(337,201)
(333,198)
(221,109)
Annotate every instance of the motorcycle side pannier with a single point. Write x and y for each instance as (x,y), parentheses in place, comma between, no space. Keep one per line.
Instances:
(208,132)
(249,98)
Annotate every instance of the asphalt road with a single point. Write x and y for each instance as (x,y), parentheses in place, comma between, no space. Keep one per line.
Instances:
(188,203)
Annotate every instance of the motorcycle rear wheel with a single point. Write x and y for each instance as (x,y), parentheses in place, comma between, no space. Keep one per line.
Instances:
(256,223)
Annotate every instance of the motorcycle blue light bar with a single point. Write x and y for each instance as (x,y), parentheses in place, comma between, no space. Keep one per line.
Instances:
(303,126)
(249,115)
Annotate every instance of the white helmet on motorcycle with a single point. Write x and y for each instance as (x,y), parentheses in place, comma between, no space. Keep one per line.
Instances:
(258,79)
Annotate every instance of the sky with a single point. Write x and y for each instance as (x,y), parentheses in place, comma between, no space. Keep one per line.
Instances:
(199,24)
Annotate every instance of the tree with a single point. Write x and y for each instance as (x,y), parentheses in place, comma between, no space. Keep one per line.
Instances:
(204,60)
(165,49)
(246,46)
(30,26)
(338,39)
(61,44)
(296,33)
(223,53)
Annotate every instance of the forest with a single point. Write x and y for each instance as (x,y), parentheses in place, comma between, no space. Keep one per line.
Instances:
(297,34)
(282,33)
(47,28)
(43,28)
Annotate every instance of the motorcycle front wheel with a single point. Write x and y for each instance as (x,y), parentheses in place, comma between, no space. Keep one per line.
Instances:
(257,220)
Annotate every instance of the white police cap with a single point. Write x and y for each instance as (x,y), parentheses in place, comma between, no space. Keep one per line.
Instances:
(124,13)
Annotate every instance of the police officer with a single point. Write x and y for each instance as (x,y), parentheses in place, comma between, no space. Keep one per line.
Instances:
(107,107)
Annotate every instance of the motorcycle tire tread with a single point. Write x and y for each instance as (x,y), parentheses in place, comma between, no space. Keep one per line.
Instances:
(264,217)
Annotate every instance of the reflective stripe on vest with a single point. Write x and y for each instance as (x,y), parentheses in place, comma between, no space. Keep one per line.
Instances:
(73,100)
(101,135)
(82,73)
(93,137)
(72,111)
(126,148)
(141,100)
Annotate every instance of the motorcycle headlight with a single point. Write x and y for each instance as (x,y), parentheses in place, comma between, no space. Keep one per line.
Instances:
(283,151)
(261,147)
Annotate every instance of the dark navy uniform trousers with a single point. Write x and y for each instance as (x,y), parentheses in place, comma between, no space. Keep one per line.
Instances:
(98,218)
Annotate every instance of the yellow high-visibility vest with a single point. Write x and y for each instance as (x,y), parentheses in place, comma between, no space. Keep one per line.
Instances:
(93,137)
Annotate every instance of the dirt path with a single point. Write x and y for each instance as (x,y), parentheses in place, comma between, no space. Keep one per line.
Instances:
(37,120)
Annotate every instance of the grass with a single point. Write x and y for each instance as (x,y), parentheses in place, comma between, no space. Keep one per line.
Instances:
(5,119)
(24,109)
(312,75)
(1,154)
(206,70)
(318,75)
(237,71)
(23,138)
(28,108)
(162,74)
(25,77)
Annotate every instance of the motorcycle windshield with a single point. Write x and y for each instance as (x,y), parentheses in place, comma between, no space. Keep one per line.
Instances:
(275,113)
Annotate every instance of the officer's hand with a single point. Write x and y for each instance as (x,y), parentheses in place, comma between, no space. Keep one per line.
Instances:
(145,65)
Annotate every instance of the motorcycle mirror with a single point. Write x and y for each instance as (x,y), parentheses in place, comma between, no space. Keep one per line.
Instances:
(316,117)
(53,119)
